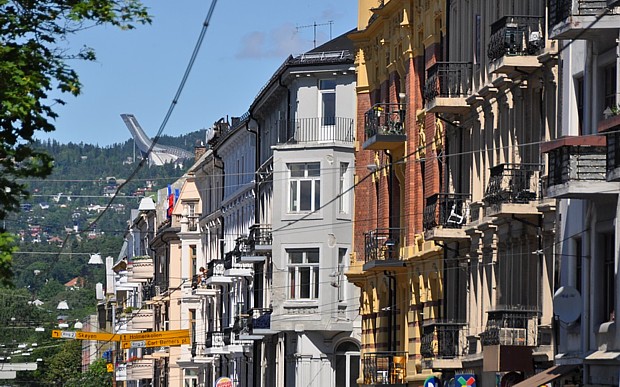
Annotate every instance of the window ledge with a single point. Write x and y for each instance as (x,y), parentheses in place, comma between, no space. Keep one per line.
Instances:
(296,304)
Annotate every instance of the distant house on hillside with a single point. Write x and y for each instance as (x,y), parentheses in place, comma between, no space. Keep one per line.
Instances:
(75,283)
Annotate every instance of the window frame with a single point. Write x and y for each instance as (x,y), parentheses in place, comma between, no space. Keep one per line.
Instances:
(294,278)
(295,195)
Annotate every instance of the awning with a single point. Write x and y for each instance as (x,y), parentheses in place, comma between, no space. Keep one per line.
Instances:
(548,375)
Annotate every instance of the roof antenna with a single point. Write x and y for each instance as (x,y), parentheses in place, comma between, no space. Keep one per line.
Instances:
(314,25)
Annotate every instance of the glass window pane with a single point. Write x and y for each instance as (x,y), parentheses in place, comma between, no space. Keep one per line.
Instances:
(305,202)
(296,256)
(317,194)
(314,169)
(327,84)
(328,108)
(293,195)
(315,272)
(291,272)
(341,370)
(313,256)
(297,170)
(355,370)
(304,282)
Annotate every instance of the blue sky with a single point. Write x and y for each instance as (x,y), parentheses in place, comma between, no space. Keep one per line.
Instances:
(139,71)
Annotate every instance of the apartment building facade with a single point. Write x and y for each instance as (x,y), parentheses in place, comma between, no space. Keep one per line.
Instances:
(457,281)
(582,177)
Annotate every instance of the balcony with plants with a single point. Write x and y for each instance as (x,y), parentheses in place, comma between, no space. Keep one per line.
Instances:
(445,214)
(577,167)
(384,369)
(581,19)
(443,344)
(382,249)
(447,86)
(384,126)
(515,43)
(513,189)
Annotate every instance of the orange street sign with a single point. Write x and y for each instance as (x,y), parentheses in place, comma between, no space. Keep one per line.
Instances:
(80,335)
(155,335)
(156,343)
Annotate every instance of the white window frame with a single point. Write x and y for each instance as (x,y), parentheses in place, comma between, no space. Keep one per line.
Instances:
(323,91)
(296,271)
(344,189)
(296,184)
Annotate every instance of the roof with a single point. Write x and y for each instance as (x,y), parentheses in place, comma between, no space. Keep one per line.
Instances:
(547,375)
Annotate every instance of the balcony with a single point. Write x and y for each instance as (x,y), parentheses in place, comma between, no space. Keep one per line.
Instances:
(577,167)
(234,268)
(508,339)
(448,84)
(511,190)
(444,217)
(255,324)
(384,126)
(142,267)
(258,244)
(610,127)
(215,273)
(142,319)
(215,343)
(443,343)
(581,19)
(382,249)
(140,369)
(515,41)
(384,368)
(316,130)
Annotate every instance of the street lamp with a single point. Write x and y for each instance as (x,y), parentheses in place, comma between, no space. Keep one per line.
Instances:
(95,259)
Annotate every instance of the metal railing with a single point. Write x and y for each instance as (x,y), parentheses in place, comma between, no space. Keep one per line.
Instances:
(513,183)
(510,325)
(260,234)
(449,210)
(448,80)
(316,129)
(443,340)
(382,244)
(560,10)
(215,267)
(567,163)
(385,118)
(384,368)
(613,151)
(215,339)
(516,35)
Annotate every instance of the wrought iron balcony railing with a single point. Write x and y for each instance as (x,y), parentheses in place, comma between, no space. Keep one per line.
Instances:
(511,326)
(254,320)
(613,151)
(443,340)
(384,368)
(386,119)
(260,235)
(516,35)
(448,80)
(316,129)
(560,10)
(215,267)
(215,339)
(449,210)
(576,163)
(382,244)
(513,183)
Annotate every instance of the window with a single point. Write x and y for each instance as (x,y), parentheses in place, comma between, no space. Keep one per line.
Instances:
(347,364)
(610,86)
(609,295)
(305,187)
(344,193)
(327,88)
(303,273)
(579,97)
(342,265)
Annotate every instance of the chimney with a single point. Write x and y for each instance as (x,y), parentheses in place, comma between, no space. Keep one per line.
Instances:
(199,150)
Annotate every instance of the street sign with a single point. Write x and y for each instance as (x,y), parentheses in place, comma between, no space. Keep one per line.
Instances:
(181,333)
(109,367)
(79,335)
(170,342)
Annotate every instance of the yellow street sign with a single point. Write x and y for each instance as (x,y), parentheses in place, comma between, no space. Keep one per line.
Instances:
(110,367)
(80,335)
(155,343)
(181,333)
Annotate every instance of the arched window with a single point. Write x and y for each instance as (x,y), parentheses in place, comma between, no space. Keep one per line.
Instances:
(347,364)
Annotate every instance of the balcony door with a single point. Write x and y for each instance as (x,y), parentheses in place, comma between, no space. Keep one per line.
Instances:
(327,104)
(347,364)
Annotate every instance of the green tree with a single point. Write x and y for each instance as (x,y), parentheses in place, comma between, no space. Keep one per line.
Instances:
(33,69)
(96,376)
(65,365)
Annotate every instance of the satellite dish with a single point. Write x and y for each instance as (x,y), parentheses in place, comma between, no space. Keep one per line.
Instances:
(567,304)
